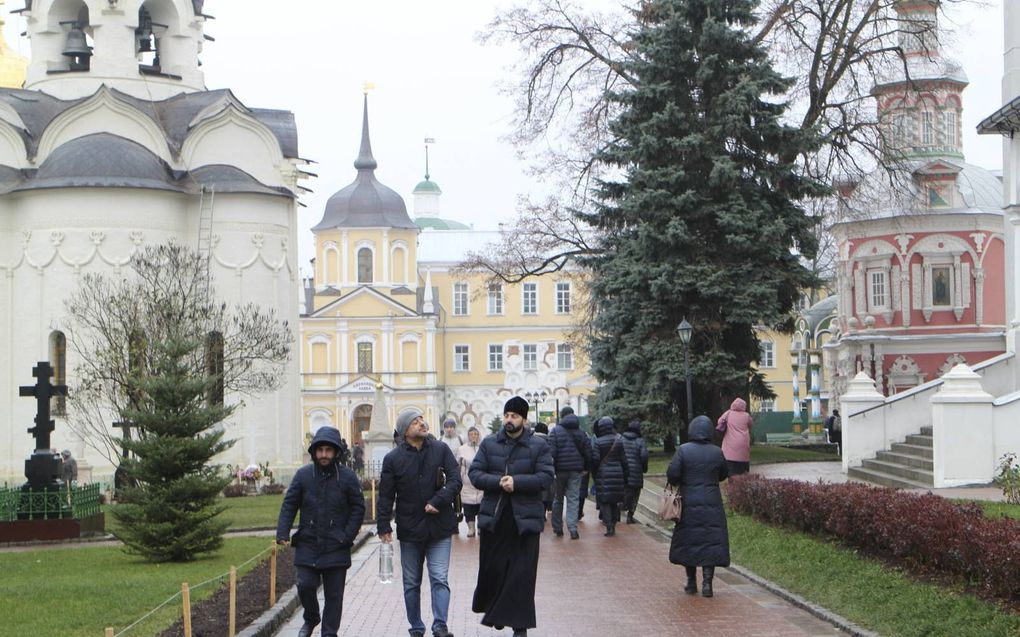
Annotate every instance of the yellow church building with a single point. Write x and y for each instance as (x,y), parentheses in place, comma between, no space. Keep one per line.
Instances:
(388,308)
(12,66)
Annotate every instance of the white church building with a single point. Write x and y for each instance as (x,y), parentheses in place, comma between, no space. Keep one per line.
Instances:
(113,144)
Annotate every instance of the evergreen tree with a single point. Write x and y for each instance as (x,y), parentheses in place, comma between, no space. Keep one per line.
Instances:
(704,222)
(171,515)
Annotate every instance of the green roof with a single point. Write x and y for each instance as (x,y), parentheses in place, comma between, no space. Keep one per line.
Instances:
(435,223)
(428,186)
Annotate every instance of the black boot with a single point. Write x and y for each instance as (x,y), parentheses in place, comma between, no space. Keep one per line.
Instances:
(692,580)
(630,517)
(706,580)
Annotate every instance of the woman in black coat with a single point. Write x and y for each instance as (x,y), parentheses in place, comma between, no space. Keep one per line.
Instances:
(610,468)
(700,537)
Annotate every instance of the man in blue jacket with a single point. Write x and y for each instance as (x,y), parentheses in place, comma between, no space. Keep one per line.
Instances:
(571,455)
(423,478)
(332,508)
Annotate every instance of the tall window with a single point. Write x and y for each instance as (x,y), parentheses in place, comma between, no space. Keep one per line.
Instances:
(214,368)
(949,126)
(495,298)
(767,405)
(564,356)
(900,131)
(364,358)
(365,265)
(529,298)
(495,358)
(58,360)
(529,354)
(927,128)
(563,298)
(137,363)
(460,299)
(878,296)
(767,354)
(461,358)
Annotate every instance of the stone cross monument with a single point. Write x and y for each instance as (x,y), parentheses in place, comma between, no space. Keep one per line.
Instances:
(43,468)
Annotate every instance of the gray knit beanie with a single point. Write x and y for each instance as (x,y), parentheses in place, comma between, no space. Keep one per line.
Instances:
(404,421)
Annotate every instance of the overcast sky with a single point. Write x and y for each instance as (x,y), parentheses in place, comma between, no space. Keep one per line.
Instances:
(433,79)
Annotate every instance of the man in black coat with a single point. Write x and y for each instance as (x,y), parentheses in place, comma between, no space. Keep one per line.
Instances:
(512,468)
(700,537)
(571,455)
(423,478)
(637,464)
(332,508)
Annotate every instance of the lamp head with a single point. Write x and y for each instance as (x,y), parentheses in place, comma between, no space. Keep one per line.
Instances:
(685,330)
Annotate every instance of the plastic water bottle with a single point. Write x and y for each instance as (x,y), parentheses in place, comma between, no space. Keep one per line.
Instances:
(386,563)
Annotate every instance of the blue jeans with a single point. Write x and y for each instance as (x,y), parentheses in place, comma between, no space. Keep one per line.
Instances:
(412,556)
(568,483)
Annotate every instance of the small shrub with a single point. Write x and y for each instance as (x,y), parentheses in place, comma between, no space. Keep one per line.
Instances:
(1009,478)
(235,490)
(928,534)
(272,489)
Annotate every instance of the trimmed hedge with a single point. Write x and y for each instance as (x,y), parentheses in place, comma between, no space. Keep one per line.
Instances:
(927,534)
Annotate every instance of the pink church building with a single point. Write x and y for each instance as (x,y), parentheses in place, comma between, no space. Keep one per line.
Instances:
(922,261)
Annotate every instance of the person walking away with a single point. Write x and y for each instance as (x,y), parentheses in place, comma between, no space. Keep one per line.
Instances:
(835,426)
(454,440)
(637,463)
(700,537)
(358,458)
(609,464)
(470,497)
(571,456)
(542,431)
(421,477)
(332,507)
(735,426)
(512,468)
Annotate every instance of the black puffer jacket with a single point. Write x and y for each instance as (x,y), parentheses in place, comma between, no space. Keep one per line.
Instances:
(413,478)
(700,537)
(570,447)
(332,508)
(609,462)
(637,455)
(527,459)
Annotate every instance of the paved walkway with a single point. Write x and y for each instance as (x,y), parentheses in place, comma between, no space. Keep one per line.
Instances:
(593,586)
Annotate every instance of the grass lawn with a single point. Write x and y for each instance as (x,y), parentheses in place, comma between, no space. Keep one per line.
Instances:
(244,513)
(79,592)
(760,454)
(863,590)
(1000,509)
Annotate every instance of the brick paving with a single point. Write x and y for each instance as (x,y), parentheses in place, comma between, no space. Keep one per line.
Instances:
(592,586)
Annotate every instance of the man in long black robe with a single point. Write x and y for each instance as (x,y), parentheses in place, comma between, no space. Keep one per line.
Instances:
(513,468)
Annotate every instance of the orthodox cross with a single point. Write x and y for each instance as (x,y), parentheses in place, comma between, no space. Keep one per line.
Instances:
(43,390)
(125,425)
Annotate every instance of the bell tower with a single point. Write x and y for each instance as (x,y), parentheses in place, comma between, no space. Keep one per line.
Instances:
(146,48)
(12,65)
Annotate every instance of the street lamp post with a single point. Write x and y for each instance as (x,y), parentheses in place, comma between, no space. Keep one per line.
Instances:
(685,330)
(539,398)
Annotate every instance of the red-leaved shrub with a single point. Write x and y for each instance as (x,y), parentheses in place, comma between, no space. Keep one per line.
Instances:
(928,534)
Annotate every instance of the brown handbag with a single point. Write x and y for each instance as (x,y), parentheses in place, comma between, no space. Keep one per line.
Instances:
(670,504)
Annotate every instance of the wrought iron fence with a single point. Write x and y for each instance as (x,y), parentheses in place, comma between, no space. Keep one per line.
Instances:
(72,501)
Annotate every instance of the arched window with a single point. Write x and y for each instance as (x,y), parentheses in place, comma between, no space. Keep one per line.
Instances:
(214,368)
(58,359)
(137,364)
(365,265)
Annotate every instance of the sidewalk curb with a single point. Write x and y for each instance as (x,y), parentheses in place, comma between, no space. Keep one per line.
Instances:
(650,519)
(273,619)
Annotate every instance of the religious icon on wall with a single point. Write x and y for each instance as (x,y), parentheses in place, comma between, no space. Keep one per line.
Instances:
(940,286)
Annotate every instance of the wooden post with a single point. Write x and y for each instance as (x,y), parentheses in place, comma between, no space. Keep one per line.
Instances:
(232,607)
(373,499)
(186,603)
(272,577)
(109,631)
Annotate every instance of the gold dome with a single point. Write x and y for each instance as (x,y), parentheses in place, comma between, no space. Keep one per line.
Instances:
(12,66)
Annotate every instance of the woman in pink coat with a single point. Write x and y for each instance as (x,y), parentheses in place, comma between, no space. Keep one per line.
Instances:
(736,444)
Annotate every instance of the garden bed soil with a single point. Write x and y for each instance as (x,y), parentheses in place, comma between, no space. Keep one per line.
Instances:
(210,616)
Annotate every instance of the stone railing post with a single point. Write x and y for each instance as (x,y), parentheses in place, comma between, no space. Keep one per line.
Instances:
(963,430)
(863,433)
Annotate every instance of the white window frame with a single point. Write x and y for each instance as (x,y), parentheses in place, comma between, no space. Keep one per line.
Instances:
(870,275)
(767,354)
(461,295)
(927,128)
(564,291)
(462,364)
(495,358)
(525,355)
(494,302)
(766,405)
(564,350)
(533,300)
(950,127)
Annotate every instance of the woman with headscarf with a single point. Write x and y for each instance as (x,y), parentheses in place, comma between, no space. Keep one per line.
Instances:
(735,426)
(470,497)
(700,537)
(609,464)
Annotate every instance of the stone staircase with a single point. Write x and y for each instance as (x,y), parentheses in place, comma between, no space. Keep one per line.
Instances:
(906,465)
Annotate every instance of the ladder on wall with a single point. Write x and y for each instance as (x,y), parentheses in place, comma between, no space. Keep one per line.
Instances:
(205,222)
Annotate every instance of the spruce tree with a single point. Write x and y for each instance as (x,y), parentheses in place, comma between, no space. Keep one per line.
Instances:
(171,514)
(704,221)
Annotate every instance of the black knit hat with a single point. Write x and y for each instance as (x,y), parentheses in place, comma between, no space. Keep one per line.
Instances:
(516,405)
(566,411)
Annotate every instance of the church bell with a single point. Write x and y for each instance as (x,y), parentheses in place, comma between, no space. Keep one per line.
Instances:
(77,48)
